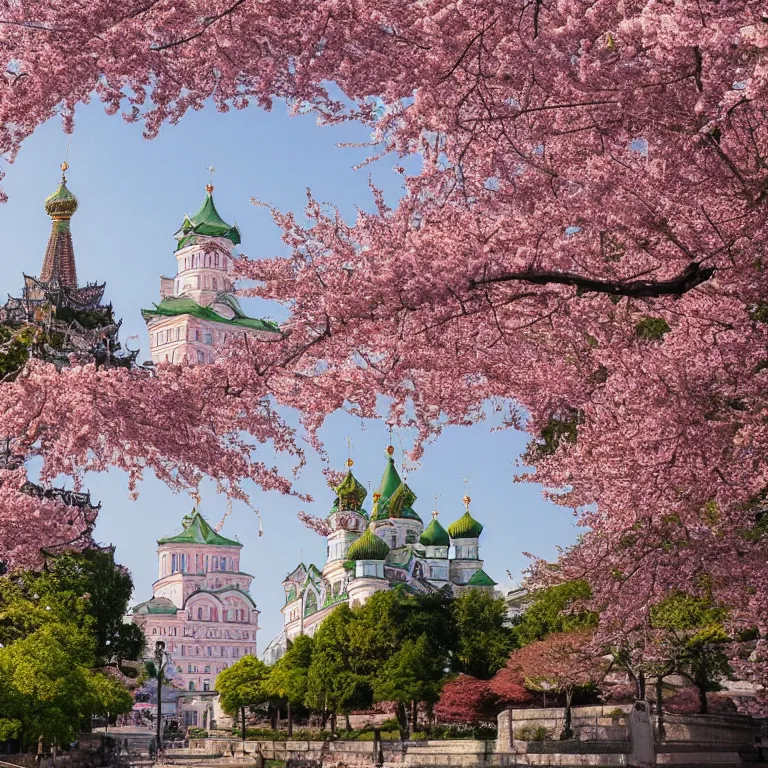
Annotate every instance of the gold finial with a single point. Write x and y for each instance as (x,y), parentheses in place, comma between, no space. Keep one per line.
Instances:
(64,167)
(466,502)
(390,450)
(349,452)
(435,513)
(349,462)
(209,185)
(376,496)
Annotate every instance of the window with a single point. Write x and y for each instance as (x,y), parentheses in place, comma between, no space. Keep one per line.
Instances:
(208,667)
(173,563)
(369,569)
(410,537)
(190,716)
(223,652)
(206,685)
(206,563)
(214,563)
(173,631)
(208,338)
(197,563)
(154,630)
(200,356)
(164,562)
(215,284)
(192,688)
(200,613)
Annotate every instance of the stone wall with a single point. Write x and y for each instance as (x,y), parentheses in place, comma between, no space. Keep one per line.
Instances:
(588,723)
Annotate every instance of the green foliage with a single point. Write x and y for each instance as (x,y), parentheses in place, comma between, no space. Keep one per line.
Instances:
(552,610)
(694,639)
(55,627)
(243,685)
(484,640)
(89,320)
(333,680)
(759,312)
(15,344)
(652,328)
(559,429)
(197,733)
(287,679)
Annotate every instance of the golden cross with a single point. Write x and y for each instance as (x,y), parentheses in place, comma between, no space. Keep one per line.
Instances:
(212,170)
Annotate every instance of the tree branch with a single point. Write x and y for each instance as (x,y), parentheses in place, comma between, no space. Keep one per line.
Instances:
(691,277)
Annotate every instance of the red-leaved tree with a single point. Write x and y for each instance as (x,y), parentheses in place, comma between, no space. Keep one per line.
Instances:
(563,663)
(466,700)
(583,246)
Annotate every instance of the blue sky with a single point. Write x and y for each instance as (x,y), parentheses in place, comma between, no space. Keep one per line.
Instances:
(133,195)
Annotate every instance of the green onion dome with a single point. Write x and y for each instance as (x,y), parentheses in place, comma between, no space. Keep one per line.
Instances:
(368,547)
(435,535)
(350,492)
(62,203)
(466,527)
(481,579)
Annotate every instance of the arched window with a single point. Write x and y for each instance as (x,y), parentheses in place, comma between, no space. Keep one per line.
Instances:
(164,561)
(310,604)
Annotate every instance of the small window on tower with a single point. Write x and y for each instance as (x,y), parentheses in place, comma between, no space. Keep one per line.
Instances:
(215,284)
(209,338)
(200,356)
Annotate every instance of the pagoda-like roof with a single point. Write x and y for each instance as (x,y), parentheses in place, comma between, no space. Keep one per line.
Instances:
(173,306)
(197,531)
(208,222)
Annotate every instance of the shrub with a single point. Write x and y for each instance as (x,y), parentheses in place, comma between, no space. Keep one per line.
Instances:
(197,733)
(533,733)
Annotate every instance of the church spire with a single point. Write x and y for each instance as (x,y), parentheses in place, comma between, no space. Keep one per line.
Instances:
(59,261)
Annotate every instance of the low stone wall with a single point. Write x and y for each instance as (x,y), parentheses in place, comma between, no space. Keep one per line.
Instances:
(588,723)
(459,752)
(734,730)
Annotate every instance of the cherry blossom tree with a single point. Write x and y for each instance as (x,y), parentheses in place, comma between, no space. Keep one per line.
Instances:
(583,246)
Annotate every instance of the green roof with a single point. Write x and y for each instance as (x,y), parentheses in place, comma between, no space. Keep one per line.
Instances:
(351,493)
(390,480)
(62,202)
(368,547)
(466,527)
(435,535)
(156,605)
(396,497)
(207,222)
(173,306)
(481,579)
(197,531)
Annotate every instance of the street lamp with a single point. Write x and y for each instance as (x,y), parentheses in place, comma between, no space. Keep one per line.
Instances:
(161,659)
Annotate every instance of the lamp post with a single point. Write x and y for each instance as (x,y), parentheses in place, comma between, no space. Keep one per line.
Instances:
(161,659)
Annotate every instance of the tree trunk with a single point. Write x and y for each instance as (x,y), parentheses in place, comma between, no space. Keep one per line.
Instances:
(402,721)
(324,719)
(346,721)
(702,698)
(290,719)
(333,722)
(415,717)
(567,731)
(641,686)
(659,707)
(242,719)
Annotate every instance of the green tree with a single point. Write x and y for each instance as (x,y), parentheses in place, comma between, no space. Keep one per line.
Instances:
(109,697)
(334,683)
(691,634)
(554,610)
(413,674)
(484,640)
(288,678)
(46,686)
(243,686)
